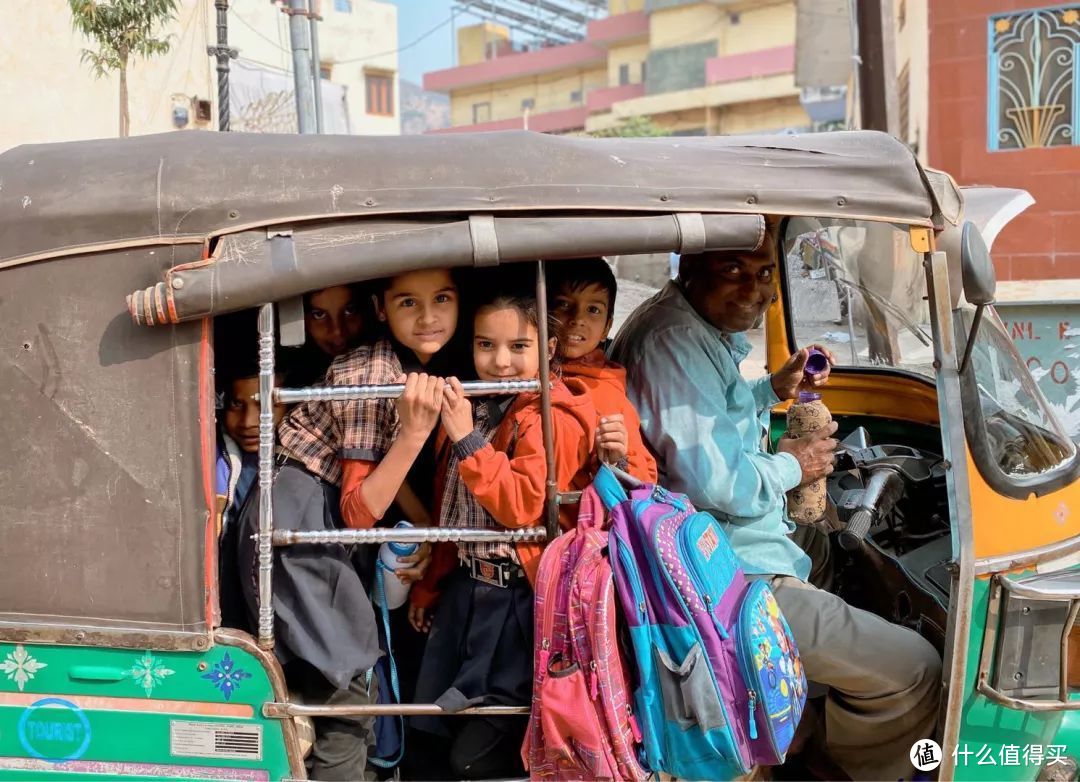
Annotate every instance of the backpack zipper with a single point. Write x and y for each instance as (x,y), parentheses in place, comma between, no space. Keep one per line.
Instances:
(753,707)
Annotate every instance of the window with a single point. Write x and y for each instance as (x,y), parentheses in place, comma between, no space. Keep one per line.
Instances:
(643,72)
(903,90)
(1013,434)
(481,112)
(1034,75)
(847,295)
(575,96)
(343,6)
(528,103)
(624,74)
(380,94)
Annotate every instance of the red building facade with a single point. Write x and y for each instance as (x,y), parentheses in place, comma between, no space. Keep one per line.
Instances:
(1005,111)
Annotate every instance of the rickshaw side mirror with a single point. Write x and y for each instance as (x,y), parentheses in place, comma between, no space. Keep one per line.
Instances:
(979,279)
(977,268)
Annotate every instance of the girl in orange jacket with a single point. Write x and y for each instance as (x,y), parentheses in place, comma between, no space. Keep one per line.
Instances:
(480,647)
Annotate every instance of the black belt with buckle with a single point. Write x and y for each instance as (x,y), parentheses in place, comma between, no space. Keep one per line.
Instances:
(497,572)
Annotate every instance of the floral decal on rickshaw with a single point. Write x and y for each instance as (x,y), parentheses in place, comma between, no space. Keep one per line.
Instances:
(148,672)
(226,676)
(20,666)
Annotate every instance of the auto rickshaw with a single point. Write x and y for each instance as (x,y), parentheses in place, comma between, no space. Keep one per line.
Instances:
(955,485)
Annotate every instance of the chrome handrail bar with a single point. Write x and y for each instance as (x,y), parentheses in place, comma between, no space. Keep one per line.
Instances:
(349,537)
(394,390)
(278,710)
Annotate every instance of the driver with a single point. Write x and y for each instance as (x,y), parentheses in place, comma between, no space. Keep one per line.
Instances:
(705,423)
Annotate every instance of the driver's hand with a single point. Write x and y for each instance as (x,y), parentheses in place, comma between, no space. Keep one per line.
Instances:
(814,452)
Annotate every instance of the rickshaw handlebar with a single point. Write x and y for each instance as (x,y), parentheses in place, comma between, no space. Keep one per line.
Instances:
(394,390)
(882,491)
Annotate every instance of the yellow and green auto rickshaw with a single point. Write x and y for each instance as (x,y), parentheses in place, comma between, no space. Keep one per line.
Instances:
(116,256)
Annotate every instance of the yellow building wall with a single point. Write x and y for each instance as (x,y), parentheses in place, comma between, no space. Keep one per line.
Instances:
(759,115)
(676,121)
(549,92)
(760,28)
(757,27)
(473,41)
(633,55)
(624,6)
(686,24)
(462,101)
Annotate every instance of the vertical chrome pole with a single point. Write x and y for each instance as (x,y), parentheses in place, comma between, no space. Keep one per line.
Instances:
(316,63)
(266,475)
(551,487)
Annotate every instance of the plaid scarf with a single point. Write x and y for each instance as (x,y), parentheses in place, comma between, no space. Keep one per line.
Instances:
(459,507)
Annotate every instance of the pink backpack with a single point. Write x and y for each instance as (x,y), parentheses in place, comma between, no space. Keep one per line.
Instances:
(582,726)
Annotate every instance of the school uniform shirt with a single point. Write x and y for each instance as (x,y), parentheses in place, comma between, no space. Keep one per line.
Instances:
(705,423)
(606,381)
(320,434)
(506,476)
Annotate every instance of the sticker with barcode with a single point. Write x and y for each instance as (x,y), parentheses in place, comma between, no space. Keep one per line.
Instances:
(234,740)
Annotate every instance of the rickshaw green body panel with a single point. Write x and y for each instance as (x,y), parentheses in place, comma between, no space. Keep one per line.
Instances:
(75,712)
(991,731)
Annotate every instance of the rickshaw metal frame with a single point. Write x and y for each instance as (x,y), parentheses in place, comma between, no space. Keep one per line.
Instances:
(954,446)
(268,538)
(999,586)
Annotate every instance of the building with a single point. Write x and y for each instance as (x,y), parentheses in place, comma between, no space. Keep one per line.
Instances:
(358,63)
(691,67)
(1004,109)
(51,96)
(912,74)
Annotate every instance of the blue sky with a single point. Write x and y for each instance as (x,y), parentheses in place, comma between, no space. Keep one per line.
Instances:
(417,18)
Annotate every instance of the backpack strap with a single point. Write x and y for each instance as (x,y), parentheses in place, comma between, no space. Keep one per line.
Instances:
(608,487)
(384,612)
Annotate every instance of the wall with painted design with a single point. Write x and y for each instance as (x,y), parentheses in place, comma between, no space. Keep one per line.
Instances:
(1005,111)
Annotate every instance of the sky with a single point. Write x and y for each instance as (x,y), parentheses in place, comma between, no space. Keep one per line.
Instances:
(417,19)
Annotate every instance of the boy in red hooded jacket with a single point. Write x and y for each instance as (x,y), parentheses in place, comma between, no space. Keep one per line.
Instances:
(582,300)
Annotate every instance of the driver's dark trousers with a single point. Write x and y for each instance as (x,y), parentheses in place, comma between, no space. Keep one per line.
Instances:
(884,680)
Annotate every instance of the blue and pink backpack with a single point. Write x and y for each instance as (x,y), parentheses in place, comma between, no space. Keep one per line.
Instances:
(720,687)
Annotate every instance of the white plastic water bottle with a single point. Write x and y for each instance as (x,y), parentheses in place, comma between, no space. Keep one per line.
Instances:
(394,590)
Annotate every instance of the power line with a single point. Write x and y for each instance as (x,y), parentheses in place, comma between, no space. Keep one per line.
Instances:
(250,26)
(404,48)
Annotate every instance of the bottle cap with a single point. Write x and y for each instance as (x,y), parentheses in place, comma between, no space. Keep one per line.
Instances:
(402,549)
(816,363)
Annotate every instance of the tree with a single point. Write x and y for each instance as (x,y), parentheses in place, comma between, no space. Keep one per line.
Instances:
(123,31)
(632,128)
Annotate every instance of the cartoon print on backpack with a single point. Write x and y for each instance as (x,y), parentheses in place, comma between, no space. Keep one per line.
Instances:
(779,671)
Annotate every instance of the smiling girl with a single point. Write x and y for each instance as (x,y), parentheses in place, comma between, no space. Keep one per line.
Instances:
(479,651)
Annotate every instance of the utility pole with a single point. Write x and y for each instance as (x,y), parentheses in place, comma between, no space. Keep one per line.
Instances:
(316,63)
(878,109)
(301,52)
(876,66)
(223,52)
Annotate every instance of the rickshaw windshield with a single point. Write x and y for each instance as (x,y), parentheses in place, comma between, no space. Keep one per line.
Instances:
(1014,428)
(858,288)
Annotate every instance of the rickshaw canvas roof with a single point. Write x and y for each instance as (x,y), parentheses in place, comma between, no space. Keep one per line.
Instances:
(60,199)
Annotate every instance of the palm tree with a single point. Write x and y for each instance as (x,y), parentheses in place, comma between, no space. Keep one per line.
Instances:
(123,30)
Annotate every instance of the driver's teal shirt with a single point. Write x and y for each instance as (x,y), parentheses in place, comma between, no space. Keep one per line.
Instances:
(706,423)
